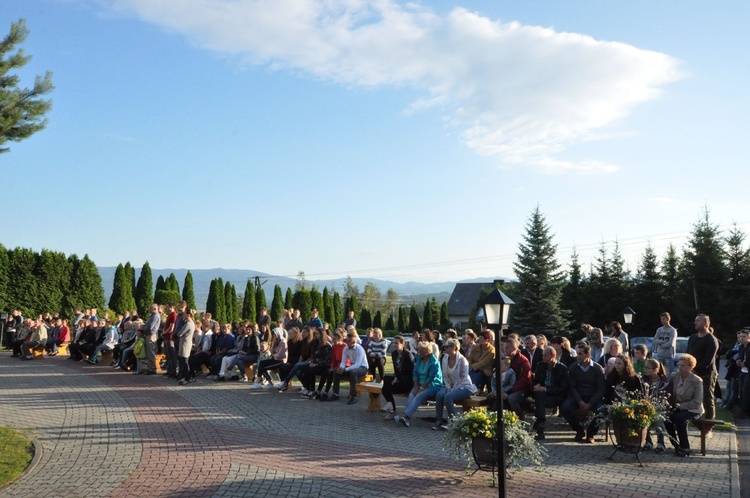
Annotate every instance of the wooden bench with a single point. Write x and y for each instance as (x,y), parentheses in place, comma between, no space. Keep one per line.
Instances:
(106,356)
(159,359)
(62,348)
(37,353)
(375,390)
(472,402)
(705,425)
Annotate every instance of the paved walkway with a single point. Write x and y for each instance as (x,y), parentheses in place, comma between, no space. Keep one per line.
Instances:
(109,433)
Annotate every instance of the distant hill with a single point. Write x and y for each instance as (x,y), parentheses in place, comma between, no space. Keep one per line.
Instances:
(408,291)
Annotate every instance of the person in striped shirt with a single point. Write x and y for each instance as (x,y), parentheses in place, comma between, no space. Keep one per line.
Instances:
(376,351)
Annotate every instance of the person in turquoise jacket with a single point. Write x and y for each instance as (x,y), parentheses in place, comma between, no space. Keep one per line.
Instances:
(428,380)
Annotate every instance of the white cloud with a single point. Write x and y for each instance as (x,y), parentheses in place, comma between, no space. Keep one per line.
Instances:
(521,93)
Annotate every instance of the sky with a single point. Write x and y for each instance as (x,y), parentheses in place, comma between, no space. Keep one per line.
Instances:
(404,141)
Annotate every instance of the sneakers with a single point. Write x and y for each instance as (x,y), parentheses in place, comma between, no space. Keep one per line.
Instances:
(183,382)
(579,437)
(352,400)
(388,407)
(281,386)
(304,392)
(90,361)
(323,397)
(659,448)
(269,387)
(648,446)
(539,436)
(390,415)
(333,397)
(212,377)
(402,420)
(243,378)
(257,385)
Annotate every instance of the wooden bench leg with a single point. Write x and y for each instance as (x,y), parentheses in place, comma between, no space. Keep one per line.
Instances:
(374,403)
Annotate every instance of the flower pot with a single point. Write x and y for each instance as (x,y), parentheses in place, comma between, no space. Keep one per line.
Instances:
(484,451)
(624,437)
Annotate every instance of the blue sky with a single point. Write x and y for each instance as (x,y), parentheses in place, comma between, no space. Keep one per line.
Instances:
(396,140)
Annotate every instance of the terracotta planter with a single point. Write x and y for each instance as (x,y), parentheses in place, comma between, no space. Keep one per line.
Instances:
(623,437)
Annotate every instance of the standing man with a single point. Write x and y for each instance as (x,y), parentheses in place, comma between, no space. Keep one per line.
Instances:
(665,342)
(351,321)
(151,331)
(264,319)
(743,361)
(170,327)
(315,321)
(704,346)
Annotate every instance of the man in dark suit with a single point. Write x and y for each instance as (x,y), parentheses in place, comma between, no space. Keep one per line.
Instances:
(550,387)
(532,352)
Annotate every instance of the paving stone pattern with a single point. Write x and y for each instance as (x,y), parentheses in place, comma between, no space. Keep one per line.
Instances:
(110,433)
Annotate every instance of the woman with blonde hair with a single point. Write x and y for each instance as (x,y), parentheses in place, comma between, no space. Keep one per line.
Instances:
(612,348)
(687,400)
(457,384)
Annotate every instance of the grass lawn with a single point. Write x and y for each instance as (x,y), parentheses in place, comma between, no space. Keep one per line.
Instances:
(15,454)
(726,416)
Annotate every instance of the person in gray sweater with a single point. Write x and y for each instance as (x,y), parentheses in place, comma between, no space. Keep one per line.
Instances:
(586,388)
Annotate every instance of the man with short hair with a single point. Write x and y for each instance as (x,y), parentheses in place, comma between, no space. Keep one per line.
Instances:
(315,321)
(703,345)
(355,355)
(532,353)
(664,343)
(351,321)
(170,327)
(37,339)
(296,321)
(743,361)
(151,331)
(264,319)
(640,354)
(550,389)
(586,388)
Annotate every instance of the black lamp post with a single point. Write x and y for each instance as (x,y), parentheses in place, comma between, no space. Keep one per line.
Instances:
(496,313)
(627,317)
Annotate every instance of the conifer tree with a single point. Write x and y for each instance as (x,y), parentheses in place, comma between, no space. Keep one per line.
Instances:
(427,316)
(52,274)
(277,304)
(573,295)
(337,313)
(215,303)
(160,285)
(365,319)
(118,301)
(378,320)
(171,283)
(188,294)
(86,285)
(130,272)
(288,298)
(327,312)
(4,279)
(22,110)
(738,283)
(248,302)
(402,322)
(230,301)
(316,299)
(648,293)
(260,301)
(540,281)
(144,293)
(301,301)
(414,325)
(389,325)
(445,322)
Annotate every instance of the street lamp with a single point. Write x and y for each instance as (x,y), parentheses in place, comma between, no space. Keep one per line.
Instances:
(627,315)
(496,313)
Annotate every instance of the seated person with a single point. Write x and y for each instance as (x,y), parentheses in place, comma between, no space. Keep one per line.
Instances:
(37,339)
(621,380)
(640,353)
(457,385)
(23,332)
(563,352)
(224,343)
(520,365)
(127,339)
(481,359)
(376,351)
(337,353)
(277,359)
(111,338)
(319,364)
(401,381)
(687,401)
(657,383)
(550,388)
(586,388)
(428,380)
(612,348)
(353,366)
(248,353)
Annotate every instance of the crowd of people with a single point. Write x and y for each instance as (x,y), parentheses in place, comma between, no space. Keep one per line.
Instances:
(537,373)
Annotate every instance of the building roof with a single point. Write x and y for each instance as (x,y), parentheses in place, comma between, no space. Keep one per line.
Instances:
(465,296)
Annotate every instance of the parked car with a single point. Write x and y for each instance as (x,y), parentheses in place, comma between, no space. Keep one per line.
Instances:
(634,341)
(680,350)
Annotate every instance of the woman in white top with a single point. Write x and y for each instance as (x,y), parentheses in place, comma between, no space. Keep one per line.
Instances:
(457,384)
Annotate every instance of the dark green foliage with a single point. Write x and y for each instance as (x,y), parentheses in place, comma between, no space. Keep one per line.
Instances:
(260,301)
(230,301)
(573,294)
(327,312)
(377,321)
(427,316)
(288,298)
(171,283)
(389,324)
(414,324)
(4,264)
(215,302)
(144,290)
(188,294)
(121,299)
(22,291)
(540,281)
(130,272)
(166,296)
(52,278)
(277,304)
(351,304)
(86,285)
(22,110)
(248,302)
(737,295)
(160,284)
(316,300)
(337,312)
(648,292)
(445,322)
(365,319)
(303,302)
(402,320)
(435,312)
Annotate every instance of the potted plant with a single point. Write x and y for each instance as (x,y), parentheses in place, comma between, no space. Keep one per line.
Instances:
(631,417)
(474,433)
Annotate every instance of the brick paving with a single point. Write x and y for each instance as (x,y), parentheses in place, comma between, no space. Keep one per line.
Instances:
(109,433)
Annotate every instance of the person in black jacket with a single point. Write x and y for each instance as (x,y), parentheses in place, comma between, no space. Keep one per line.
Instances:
(550,387)
(532,353)
(401,381)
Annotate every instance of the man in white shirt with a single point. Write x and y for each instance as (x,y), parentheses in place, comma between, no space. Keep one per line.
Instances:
(357,367)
